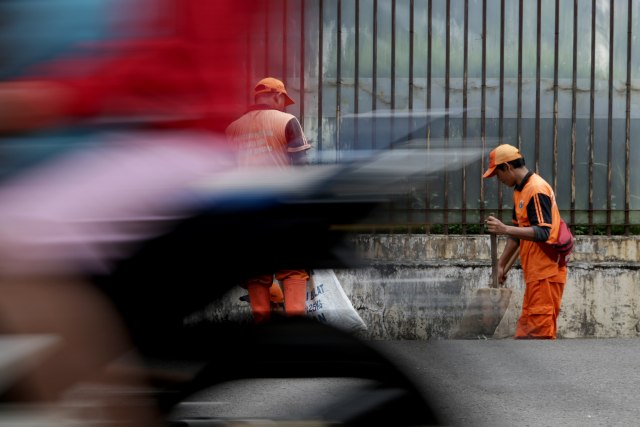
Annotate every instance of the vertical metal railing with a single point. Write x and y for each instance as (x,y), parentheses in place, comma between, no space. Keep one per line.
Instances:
(610,114)
(538,64)
(574,107)
(483,98)
(411,56)
(320,71)
(428,95)
(393,55)
(374,70)
(356,80)
(556,55)
(392,101)
(338,75)
(592,114)
(465,103)
(520,38)
(501,98)
(627,137)
(374,65)
(411,89)
(386,43)
(447,92)
(429,64)
(302,69)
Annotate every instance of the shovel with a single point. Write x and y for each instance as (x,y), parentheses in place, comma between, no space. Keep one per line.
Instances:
(488,305)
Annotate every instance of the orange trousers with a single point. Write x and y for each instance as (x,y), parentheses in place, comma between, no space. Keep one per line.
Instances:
(540,309)
(294,283)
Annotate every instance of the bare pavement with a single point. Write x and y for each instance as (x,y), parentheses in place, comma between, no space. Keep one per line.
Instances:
(568,382)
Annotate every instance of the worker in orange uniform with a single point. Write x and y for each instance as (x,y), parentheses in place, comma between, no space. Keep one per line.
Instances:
(266,136)
(536,220)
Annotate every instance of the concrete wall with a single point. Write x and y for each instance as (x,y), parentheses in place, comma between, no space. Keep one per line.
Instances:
(418,286)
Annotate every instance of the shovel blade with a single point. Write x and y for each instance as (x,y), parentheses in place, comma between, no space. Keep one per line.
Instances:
(483,313)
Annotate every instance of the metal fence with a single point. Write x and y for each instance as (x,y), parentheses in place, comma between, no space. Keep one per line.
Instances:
(558,78)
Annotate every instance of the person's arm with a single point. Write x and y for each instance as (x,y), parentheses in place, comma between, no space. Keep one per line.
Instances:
(297,144)
(495,226)
(539,214)
(510,248)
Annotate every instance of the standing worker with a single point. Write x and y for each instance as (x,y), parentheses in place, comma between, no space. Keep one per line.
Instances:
(536,220)
(266,136)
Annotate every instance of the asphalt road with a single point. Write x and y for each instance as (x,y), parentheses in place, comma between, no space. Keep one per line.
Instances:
(526,383)
(592,382)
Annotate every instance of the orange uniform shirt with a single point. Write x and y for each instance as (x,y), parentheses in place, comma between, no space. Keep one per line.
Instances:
(534,204)
(260,138)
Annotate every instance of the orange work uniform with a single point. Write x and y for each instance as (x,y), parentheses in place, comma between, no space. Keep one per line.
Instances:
(269,137)
(535,205)
(266,137)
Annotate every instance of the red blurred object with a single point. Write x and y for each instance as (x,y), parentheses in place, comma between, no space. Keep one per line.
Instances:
(191,73)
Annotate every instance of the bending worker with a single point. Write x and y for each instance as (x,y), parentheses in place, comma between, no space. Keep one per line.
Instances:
(536,220)
(266,136)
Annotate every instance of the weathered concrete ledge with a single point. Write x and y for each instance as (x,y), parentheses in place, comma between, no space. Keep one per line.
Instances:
(417,286)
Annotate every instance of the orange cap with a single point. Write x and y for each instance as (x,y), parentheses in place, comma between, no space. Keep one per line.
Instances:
(501,154)
(270,84)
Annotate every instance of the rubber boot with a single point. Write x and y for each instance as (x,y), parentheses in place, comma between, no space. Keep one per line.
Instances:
(260,300)
(295,296)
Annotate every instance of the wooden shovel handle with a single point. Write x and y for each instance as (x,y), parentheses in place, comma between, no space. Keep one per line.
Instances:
(494,261)
(495,282)
(512,260)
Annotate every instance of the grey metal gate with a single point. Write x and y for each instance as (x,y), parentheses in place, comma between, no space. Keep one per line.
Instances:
(558,78)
